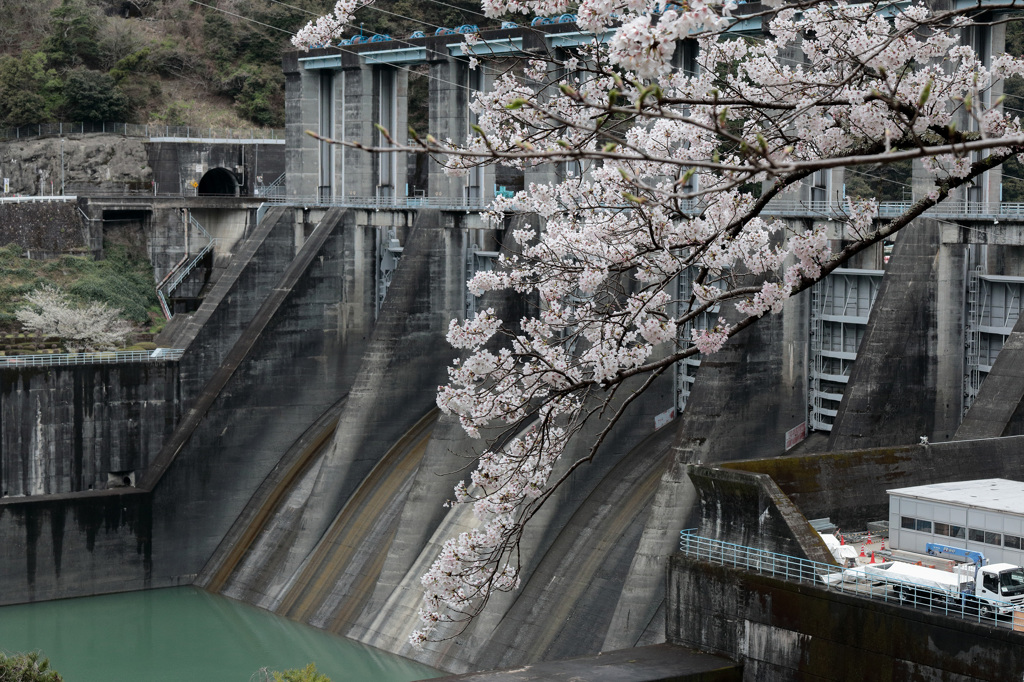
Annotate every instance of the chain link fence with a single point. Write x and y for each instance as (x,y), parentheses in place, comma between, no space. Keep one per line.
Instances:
(146,130)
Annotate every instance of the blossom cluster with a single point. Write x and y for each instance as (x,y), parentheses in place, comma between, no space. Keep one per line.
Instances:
(326,29)
(667,159)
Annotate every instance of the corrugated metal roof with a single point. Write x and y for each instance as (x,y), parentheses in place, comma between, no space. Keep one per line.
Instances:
(993,494)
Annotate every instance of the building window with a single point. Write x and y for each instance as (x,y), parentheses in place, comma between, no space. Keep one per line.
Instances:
(1011,541)
(907,522)
(924,526)
(976,535)
(993,538)
(957,532)
(941,528)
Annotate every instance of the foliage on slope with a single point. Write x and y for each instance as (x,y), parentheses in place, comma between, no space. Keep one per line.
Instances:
(123,280)
(170,61)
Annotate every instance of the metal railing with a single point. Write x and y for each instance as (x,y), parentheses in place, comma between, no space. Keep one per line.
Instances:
(825,210)
(97,358)
(384,202)
(181,274)
(140,130)
(893,209)
(855,581)
(276,189)
(45,199)
(182,269)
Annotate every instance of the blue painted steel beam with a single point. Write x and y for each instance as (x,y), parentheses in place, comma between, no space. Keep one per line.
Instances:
(577,38)
(511,46)
(404,55)
(332,61)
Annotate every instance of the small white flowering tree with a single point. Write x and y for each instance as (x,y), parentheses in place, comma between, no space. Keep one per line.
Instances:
(679,167)
(92,327)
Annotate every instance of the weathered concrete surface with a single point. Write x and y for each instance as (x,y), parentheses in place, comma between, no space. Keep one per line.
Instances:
(402,365)
(640,609)
(850,487)
(44,230)
(751,392)
(277,501)
(999,399)
(658,663)
(176,165)
(249,428)
(75,544)
(65,429)
(564,607)
(787,631)
(891,397)
(229,306)
(750,510)
(110,162)
(745,398)
(338,577)
(294,344)
(574,553)
(448,453)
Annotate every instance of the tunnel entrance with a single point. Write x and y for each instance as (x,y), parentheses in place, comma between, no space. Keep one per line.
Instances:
(218,182)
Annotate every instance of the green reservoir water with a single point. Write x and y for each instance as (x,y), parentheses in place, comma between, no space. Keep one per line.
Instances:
(185,635)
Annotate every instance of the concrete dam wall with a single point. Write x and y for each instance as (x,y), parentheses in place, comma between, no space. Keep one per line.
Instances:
(222,447)
(302,465)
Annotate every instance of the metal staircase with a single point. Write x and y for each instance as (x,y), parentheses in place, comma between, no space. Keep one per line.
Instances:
(184,268)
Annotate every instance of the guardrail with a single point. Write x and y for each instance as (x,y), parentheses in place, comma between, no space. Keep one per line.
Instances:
(181,274)
(893,209)
(852,581)
(46,199)
(140,130)
(783,207)
(97,358)
(459,203)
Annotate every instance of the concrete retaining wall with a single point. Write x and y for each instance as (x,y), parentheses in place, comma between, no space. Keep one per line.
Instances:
(44,230)
(65,429)
(176,165)
(749,509)
(787,631)
(75,545)
(849,487)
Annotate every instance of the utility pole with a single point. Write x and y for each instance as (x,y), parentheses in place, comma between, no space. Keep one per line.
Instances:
(62,166)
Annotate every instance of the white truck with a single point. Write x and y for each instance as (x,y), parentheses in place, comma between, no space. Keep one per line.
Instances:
(999,589)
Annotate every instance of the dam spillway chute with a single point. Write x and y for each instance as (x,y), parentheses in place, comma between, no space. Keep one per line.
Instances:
(341,572)
(264,515)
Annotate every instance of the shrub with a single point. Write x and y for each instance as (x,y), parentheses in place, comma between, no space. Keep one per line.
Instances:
(30,667)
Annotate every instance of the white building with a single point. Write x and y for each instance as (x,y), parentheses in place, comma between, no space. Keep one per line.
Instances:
(986,516)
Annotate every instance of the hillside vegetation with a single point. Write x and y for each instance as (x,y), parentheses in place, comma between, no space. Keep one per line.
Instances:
(170,61)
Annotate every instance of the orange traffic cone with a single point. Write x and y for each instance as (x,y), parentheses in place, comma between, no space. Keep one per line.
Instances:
(883,545)
(872,558)
(842,540)
(862,549)
(869,537)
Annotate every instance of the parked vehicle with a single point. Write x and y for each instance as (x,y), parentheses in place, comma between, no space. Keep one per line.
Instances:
(994,583)
(979,589)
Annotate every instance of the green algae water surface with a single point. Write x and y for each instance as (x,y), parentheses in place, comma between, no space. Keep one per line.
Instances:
(184,634)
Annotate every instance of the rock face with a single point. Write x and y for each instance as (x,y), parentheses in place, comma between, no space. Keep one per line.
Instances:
(33,166)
